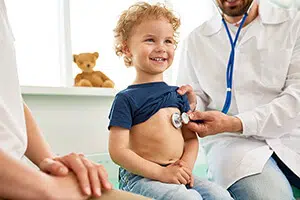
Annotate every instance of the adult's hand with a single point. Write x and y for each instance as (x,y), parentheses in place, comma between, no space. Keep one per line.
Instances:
(188,90)
(213,122)
(92,177)
(63,187)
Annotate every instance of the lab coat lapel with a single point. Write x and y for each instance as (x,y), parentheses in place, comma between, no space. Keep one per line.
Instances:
(212,26)
(268,14)
(251,32)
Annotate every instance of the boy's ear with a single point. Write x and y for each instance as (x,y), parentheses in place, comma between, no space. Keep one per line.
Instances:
(126,50)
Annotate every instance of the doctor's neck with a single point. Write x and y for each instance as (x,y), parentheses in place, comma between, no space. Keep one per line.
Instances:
(253,13)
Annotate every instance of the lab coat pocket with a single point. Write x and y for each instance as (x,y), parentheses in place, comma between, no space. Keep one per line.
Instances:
(274,66)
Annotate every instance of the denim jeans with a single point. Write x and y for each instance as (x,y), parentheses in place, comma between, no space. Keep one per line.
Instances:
(203,189)
(273,183)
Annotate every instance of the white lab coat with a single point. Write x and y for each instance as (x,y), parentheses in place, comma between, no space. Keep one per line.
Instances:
(13,138)
(266,91)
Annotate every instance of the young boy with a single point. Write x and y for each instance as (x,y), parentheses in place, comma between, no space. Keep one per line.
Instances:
(156,156)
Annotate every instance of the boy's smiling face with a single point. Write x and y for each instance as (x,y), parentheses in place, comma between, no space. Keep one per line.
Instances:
(151,46)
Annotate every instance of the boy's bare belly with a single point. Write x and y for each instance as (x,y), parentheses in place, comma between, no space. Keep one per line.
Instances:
(157,139)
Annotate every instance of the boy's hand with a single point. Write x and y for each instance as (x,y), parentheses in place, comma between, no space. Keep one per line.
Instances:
(176,174)
(92,177)
(182,163)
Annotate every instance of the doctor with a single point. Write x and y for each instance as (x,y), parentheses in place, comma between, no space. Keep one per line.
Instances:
(19,136)
(253,150)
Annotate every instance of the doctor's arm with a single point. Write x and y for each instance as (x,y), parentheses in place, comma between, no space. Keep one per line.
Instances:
(214,122)
(271,120)
(282,114)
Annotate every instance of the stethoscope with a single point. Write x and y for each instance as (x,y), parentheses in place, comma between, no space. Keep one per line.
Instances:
(179,119)
(230,64)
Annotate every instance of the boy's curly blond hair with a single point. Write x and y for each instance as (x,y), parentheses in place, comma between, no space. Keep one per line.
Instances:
(133,16)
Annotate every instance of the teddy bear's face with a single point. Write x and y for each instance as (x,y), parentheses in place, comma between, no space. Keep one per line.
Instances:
(86,61)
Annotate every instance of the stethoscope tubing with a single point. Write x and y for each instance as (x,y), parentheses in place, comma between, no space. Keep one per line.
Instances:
(230,65)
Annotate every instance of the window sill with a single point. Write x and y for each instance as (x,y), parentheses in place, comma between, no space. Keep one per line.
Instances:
(68,91)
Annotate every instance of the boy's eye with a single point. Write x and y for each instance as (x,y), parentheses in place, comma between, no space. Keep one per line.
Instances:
(149,40)
(169,41)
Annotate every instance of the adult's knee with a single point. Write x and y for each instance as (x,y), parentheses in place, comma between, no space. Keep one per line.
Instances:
(219,194)
(211,190)
(270,184)
(186,194)
(248,189)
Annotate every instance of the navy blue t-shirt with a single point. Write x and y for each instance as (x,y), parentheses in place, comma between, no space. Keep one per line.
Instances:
(137,103)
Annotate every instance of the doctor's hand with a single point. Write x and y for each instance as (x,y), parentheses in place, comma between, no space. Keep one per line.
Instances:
(92,177)
(214,122)
(188,90)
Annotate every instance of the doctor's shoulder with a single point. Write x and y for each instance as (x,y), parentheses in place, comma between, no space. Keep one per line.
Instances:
(204,30)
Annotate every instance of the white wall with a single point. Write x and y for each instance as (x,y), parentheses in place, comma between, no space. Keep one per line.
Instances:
(74,120)
(72,123)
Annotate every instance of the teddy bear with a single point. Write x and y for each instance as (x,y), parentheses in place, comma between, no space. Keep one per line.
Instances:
(90,78)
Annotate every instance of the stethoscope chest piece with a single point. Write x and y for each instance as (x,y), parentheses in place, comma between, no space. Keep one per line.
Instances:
(178,119)
(185,118)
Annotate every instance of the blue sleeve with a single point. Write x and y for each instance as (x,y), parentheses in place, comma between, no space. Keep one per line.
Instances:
(186,104)
(121,112)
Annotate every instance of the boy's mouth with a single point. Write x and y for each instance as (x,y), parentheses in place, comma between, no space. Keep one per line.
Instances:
(158,59)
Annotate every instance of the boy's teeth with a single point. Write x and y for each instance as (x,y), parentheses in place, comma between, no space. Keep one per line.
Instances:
(158,59)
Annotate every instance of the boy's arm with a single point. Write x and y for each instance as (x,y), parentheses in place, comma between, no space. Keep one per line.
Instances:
(122,155)
(191,146)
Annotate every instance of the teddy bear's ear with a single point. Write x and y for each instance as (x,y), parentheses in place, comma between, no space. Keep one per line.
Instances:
(74,58)
(96,54)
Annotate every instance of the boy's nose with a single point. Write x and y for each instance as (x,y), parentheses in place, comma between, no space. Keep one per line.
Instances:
(161,49)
